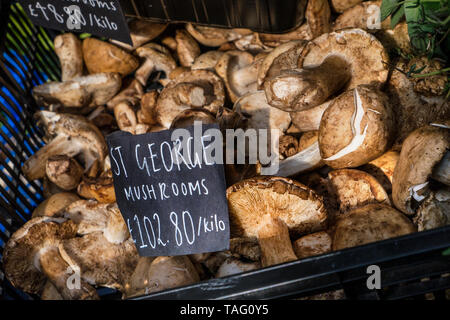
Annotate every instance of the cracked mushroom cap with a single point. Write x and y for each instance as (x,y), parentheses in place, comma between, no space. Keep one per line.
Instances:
(215,37)
(21,256)
(238,71)
(421,152)
(101,262)
(85,91)
(100,56)
(367,57)
(355,188)
(356,128)
(70,135)
(374,222)
(299,207)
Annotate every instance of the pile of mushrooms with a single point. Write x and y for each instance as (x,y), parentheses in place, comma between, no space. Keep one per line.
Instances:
(364,149)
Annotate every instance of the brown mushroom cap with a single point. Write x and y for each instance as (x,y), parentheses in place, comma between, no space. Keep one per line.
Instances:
(21,253)
(298,206)
(187,48)
(367,57)
(55,204)
(233,266)
(207,60)
(64,171)
(86,91)
(342,5)
(301,89)
(358,17)
(141,32)
(153,275)
(100,56)
(312,244)
(157,58)
(370,223)
(318,15)
(101,262)
(356,128)
(421,152)
(89,215)
(434,212)
(188,117)
(382,169)
(215,37)
(355,188)
(72,136)
(238,71)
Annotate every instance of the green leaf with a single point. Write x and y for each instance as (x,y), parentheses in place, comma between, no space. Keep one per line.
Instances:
(446,252)
(413,12)
(387,8)
(397,16)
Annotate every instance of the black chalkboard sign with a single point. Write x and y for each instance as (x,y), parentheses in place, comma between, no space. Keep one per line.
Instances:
(101,18)
(172,193)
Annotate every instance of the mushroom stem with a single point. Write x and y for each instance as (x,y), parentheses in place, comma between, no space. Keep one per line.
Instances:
(60,274)
(274,241)
(125,116)
(34,168)
(70,54)
(303,161)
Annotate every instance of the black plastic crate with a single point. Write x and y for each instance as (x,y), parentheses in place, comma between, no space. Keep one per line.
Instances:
(271,16)
(411,266)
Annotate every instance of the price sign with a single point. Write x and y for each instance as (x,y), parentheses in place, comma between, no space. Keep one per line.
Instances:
(171,191)
(101,18)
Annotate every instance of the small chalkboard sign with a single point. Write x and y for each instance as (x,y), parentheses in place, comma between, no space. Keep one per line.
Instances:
(171,190)
(100,18)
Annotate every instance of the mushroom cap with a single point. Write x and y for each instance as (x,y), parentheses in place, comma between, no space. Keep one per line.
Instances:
(143,31)
(356,128)
(434,212)
(70,135)
(101,56)
(422,150)
(55,204)
(367,57)
(282,57)
(215,37)
(358,17)
(84,91)
(101,262)
(89,215)
(342,5)
(159,55)
(233,266)
(382,169)
(260,114)
(100,189)
(161,273)
(21,253)
(370,223)
(187,48)
(207,60)
(238,71)
(188,117)
(295,204)
(64,171)
(212,85)
(318,15)
(312,244)
(355,188)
